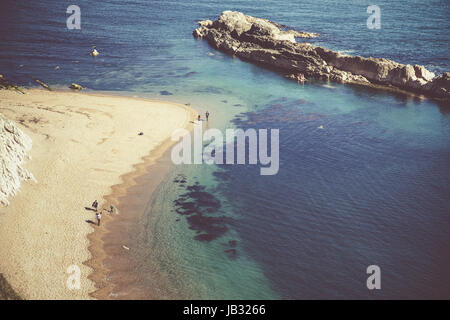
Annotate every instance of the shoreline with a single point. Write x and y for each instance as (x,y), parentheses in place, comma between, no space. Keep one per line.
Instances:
(113,265)
(6,291)
(27,272)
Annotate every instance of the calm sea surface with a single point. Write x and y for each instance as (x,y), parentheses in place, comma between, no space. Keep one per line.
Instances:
(370,188)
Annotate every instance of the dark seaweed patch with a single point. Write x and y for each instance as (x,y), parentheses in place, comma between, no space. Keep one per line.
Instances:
(199,206)
(277,111)
(232,253)
(210,89)
(189,74)
(181,178)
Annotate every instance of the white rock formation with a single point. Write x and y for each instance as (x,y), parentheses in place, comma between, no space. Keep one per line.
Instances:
(14,145)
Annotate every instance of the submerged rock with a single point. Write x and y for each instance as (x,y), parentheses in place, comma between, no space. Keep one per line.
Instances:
(7,85)
(94,52)
(14,145)
(231,251)
(263,42)
(232,243)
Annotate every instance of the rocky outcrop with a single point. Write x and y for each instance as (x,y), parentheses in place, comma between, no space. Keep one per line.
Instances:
(440,86)
(264,42)
(7,85)
(75,86)
(14,145)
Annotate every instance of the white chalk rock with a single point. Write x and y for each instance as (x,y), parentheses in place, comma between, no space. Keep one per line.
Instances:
(14,145)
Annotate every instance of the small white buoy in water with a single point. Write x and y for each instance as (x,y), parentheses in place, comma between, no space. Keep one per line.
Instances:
(320,127)
(94,51)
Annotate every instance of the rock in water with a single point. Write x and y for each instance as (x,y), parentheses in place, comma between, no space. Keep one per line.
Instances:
(43,84)
(263,42)
(75,86)
(14,145)
(440,86)
(6,84)
(94,52)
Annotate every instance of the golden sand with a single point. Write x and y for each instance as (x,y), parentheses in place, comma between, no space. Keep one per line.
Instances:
(83,145)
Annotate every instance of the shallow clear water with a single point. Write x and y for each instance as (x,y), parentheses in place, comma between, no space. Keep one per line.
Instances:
(371,187)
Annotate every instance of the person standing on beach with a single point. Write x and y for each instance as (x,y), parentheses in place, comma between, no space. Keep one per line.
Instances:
(199,117)
(207,115)
(99,217)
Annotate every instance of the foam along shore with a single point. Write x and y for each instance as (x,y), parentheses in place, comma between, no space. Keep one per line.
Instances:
(81,145)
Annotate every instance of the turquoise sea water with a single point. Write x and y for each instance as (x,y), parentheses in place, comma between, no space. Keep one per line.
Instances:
(371,187)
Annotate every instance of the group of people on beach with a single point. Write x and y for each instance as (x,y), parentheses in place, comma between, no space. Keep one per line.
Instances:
(112,209)
(199,118)
(98,214)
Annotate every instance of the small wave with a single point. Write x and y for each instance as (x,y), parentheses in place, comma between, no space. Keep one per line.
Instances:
(346,51)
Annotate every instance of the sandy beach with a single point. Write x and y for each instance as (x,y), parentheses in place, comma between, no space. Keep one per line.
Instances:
(83,145)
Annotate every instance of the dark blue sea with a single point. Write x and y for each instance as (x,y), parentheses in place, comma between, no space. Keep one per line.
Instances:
(364,174)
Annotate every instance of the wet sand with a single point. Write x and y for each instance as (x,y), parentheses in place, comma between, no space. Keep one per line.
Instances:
(112,247)
(6,291)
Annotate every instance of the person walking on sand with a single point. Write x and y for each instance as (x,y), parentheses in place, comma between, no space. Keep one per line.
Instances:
(99,217)
(207,115)
(199,117)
